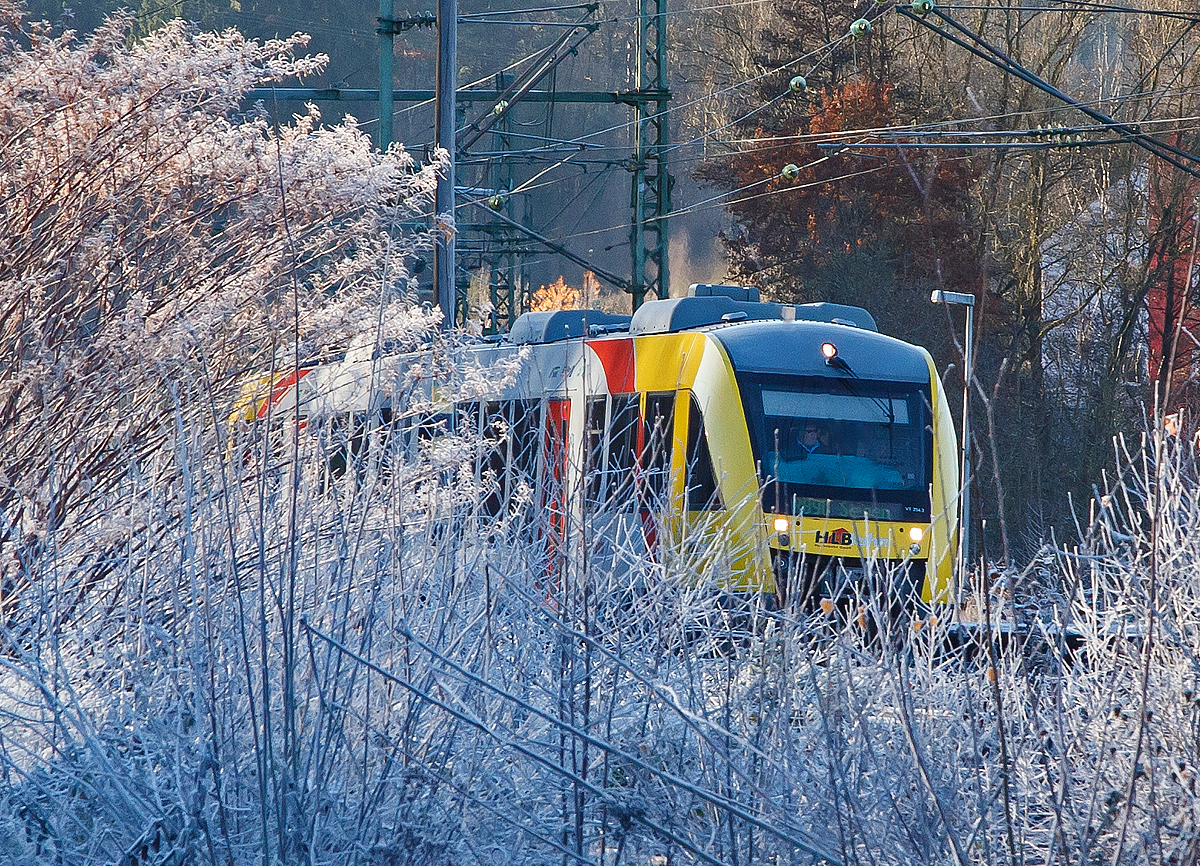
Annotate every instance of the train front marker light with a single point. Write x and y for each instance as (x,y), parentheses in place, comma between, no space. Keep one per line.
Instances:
(782,524)
(832,359)
(916,533)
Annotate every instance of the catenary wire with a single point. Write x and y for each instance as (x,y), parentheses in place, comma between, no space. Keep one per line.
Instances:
(760,142)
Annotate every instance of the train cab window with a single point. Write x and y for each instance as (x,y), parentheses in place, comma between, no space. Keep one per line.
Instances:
(658,438)
(702,491)
(858,447)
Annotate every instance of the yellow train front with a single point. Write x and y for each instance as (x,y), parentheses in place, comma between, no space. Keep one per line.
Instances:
(795,446)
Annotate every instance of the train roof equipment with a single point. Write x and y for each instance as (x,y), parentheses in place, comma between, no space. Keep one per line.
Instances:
(556,325)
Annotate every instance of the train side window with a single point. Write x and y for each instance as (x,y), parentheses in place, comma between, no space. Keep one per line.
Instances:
(524,436)
(470,417)
(658,440)
(434,425)
(622,450)
(510,437)
(595,410)
(341,441)
(702,492)
(494,475)
(611,439)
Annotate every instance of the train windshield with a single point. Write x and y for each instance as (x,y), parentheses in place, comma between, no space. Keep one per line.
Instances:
(841,447)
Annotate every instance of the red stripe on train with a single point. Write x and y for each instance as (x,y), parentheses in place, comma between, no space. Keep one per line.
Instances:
(280,388)
(617,358)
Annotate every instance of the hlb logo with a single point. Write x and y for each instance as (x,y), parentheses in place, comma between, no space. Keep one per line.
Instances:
(840,536)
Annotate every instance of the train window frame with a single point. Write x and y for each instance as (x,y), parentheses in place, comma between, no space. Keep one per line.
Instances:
(610,454)
(621,449)
(511,425)
(701,487)
(595,432)
(343,441)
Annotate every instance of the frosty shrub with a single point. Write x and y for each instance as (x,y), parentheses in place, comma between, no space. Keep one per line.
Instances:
(261,644)
(157,240)
(376,665)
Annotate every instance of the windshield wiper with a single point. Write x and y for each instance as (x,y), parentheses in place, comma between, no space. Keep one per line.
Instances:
(884,405)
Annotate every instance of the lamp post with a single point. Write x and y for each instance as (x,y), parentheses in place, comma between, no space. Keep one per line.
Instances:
(964,512)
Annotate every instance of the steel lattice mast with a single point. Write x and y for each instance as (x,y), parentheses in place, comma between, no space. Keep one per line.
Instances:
(651,194)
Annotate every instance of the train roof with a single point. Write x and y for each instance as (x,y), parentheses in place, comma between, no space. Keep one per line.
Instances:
(553,326)
(758,337)
(704,306)
(768,347)
(671,315)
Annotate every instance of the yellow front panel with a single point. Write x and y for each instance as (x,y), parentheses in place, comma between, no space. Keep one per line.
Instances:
(667,362)
(841,537)
(944,505)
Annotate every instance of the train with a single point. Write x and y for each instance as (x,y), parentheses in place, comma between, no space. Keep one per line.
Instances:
(791,448)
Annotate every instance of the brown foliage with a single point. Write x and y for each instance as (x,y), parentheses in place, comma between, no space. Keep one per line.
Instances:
(908,206)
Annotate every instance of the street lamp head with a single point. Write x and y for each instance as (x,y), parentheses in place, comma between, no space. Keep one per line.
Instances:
(960,298)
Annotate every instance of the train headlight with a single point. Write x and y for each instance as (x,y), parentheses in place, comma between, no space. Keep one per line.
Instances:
(916,533)
(829,351)
(782,524)
(914,548)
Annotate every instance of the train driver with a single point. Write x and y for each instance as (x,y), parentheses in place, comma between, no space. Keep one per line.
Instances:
(814,439)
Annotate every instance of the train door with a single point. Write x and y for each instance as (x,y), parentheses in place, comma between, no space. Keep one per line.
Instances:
(701,541)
